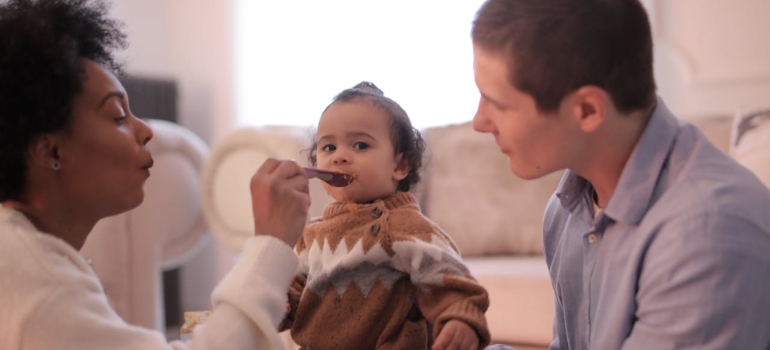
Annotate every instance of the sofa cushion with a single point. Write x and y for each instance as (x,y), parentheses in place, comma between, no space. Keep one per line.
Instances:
(469,190)
(750,142)
(521,298)
(716,129)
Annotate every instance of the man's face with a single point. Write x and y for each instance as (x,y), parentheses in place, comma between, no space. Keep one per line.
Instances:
(536,143)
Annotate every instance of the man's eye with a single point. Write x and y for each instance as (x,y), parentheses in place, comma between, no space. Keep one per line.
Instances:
(328,148)
(360,145)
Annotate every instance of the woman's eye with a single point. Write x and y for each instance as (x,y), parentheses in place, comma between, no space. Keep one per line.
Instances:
(328,148)
(360,145)
(120,120)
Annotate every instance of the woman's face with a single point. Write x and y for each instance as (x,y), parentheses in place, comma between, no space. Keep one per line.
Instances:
(103,154)
(354,137)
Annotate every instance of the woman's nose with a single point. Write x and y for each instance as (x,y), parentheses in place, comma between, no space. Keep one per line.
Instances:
(143,131)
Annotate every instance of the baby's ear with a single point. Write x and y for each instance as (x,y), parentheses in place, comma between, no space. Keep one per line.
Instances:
(402,167)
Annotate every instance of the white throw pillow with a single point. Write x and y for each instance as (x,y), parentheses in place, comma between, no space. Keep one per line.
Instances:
(750,141)
(228,170)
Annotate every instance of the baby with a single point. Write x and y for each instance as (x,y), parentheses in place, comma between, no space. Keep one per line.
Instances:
(377,274)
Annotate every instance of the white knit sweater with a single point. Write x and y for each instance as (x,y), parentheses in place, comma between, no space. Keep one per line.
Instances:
(50,298)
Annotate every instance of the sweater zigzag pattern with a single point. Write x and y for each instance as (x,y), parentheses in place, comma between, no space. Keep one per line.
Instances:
(380,276)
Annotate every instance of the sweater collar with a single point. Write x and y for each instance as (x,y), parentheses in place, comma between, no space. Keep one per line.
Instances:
(394,201)
(17,218)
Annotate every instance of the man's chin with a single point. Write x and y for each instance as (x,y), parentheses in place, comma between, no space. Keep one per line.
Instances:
(528,174)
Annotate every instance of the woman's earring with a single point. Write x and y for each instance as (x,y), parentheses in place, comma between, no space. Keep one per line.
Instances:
(55,165)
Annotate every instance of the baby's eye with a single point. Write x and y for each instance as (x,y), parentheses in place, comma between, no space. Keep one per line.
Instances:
(360,145)
(328,148)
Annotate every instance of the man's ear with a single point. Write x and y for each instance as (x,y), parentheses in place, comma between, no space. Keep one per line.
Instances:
(44,150)
(402,168)
(589,106)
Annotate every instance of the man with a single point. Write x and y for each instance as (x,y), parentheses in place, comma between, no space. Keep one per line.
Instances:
(654,238)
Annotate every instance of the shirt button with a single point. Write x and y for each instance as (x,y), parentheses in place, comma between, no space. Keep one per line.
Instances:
(377,212)
(592,238)
(375,228)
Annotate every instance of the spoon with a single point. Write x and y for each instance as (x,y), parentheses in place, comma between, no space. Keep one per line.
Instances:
(331,177)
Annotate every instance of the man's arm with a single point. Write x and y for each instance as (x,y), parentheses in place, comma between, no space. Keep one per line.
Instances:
(558,326)
(704,284)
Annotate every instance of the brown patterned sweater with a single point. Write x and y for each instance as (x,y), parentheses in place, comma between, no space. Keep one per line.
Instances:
(382,276)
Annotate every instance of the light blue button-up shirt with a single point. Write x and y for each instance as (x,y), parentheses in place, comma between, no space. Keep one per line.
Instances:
(678,259)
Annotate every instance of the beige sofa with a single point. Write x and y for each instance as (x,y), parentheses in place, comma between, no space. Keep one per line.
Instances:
(467,188)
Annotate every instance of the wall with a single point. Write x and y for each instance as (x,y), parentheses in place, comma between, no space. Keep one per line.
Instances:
(191,42)
(711,56)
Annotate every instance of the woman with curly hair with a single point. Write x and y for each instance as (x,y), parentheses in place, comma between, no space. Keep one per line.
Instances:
(72,153)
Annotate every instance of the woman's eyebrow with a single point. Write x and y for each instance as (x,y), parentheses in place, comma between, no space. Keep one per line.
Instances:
(111,94)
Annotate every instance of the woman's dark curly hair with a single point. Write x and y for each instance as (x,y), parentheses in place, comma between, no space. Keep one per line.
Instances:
(406,139)
(41,44)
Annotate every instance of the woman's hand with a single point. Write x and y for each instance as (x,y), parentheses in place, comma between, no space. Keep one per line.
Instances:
(456,335)
(280,200)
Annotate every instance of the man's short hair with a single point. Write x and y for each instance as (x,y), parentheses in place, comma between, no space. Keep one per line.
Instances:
(554,47)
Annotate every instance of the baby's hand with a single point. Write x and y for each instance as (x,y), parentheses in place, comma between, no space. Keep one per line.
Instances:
(456,335)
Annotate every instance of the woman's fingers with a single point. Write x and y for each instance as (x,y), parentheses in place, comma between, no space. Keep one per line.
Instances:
(280,199)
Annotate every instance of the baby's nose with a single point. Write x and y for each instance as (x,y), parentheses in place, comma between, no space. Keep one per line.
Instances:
(340,158)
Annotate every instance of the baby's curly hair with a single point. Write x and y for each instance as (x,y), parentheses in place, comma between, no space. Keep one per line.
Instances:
(406,139)
(41,44)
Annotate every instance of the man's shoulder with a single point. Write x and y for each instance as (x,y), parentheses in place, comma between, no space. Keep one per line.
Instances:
(709,206)
(707,182)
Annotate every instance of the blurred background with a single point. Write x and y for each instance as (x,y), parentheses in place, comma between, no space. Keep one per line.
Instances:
(225,64)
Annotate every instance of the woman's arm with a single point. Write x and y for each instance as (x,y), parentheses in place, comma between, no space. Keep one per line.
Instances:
(248,304)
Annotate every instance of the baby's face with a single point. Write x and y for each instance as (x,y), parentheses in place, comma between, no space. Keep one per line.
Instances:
(354,137)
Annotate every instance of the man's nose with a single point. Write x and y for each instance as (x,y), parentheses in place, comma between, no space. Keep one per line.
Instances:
(480,122)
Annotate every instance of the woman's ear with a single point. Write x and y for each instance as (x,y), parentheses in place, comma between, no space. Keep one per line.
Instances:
(43,151)
(402,168)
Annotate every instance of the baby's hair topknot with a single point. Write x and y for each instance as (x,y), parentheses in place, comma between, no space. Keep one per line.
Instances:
(367,86)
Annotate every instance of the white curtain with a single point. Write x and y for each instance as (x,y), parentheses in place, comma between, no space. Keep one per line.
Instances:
(292,57)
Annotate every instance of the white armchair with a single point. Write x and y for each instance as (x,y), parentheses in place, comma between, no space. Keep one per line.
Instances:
(129,251)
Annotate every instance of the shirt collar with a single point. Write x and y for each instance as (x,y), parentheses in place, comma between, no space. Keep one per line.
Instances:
(632,195)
